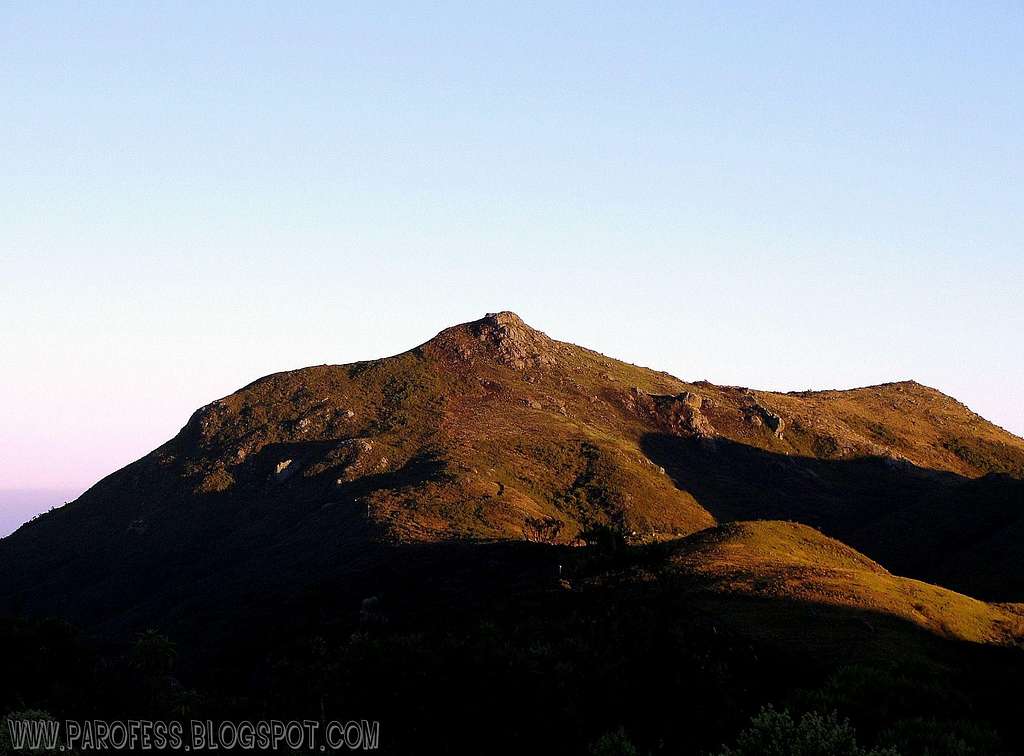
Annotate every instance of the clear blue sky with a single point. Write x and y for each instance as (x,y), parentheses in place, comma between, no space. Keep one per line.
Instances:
(775,195)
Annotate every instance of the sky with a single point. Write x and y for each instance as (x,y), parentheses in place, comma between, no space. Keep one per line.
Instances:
(782,196)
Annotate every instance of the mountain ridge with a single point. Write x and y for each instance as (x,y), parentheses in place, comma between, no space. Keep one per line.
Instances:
(492,430)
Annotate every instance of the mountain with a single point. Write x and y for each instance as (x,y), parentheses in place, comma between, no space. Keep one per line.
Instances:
(493,430)
(18,506)
(414,496)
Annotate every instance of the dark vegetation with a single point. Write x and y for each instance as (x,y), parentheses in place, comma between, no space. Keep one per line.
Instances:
(516,660)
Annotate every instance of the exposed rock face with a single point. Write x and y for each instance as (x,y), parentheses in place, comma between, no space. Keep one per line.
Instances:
(515,343)
(348,459)
(284,469)
(758,414)
(680,415)
(774,422)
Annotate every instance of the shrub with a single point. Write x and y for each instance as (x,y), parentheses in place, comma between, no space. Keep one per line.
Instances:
(6,747)
(929,737)
(614,743)
(776,733)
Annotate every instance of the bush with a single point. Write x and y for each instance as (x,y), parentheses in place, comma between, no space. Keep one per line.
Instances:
(776,733)
(929,737)
(6,747)
(615,743)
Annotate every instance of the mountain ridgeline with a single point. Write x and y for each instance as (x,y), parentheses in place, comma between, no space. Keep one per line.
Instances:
(492,431)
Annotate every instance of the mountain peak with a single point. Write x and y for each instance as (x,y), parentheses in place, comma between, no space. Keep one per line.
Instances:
(506,318)
(515,344)
(501,336)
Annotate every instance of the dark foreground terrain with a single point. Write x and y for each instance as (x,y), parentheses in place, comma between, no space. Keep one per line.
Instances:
(501,543)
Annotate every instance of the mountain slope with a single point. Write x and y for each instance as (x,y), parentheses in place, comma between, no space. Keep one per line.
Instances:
(492,430)
(773,559)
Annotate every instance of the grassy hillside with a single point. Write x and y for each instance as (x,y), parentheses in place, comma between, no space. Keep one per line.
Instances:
(797,564)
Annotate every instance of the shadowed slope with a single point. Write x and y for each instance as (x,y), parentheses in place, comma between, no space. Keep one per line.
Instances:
(933,525)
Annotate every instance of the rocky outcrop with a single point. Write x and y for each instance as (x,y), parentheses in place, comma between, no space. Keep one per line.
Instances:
(513,342)
(502,338)
(757,414)
(774,422)
(347,459)
(285,469)
(680,415)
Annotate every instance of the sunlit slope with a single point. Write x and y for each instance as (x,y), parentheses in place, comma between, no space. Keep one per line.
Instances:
(793,563)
